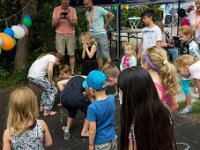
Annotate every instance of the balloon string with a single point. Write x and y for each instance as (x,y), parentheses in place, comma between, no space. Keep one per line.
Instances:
(17,12)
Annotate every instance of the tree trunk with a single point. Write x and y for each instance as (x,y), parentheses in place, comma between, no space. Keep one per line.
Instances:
(23,45)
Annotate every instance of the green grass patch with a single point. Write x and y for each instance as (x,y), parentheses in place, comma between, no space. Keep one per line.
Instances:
(195,113)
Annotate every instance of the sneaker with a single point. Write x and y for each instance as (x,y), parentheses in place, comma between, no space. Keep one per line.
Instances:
(66,134)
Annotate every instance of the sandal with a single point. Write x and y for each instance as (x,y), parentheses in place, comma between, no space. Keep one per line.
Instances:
(185,111)
(49,113)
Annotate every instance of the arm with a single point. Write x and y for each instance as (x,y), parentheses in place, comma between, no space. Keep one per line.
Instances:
(47,136)
(139,50)
(110,17)
(6,140)
(92,52)
(55,22)
(83,53)
(92,133)
(50,71)
(158,44)
(88,26)
(61,84)
(173,104)
(72,22)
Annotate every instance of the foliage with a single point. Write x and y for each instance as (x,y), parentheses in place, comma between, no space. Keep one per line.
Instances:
(43,34)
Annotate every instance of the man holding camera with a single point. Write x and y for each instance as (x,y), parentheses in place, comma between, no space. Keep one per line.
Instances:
(64,19)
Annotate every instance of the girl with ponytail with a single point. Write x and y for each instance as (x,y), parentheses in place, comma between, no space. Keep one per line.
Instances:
(164,75)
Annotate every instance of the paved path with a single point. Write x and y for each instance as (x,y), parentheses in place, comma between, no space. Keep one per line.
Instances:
(187,132)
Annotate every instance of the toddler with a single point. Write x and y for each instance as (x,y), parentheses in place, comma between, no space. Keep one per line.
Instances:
(129,59)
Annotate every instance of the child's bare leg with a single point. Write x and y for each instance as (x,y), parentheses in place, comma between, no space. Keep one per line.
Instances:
(69,122)
(188,100)
(198,85)
(85,131)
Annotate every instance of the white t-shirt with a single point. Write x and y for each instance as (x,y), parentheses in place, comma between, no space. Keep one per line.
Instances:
(195,70)
(40,67)
(193,20)
(150,36)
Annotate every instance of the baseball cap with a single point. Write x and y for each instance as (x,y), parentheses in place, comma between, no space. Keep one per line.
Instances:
(96,80)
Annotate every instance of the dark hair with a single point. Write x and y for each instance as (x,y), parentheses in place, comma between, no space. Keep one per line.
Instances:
(142,108)
(148,13)
(182,13)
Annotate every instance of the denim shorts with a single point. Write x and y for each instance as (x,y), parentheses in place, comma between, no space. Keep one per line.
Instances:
(107,146)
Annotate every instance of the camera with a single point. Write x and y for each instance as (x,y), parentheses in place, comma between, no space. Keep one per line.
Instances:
(64,14)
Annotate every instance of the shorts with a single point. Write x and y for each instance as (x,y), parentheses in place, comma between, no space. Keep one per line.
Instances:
(186,86)
(102,46)
(107,146)
(63,42)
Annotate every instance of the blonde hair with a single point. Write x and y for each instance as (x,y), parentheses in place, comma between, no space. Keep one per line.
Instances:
(186,30)
(111,70)
(167,71)
(197,1)
(91,41)
(22,110)
(65,69)
(185,60)
(132,47)
(57,55)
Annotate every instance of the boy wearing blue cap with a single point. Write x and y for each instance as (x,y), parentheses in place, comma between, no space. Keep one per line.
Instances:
(100,113)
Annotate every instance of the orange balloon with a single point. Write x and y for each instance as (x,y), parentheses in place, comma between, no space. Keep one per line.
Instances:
(8,42)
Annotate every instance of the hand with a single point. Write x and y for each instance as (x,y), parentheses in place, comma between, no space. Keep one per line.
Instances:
(91,147)
(85,46)
(52,82)
(170,45)
(106,27)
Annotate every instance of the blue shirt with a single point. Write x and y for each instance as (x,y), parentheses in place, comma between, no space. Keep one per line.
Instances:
(98,20)
(102,112)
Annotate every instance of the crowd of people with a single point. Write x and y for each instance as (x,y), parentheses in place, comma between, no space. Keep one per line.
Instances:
(146,90)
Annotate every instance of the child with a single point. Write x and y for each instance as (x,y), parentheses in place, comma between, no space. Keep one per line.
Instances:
(189,46)
(89,53)
(100,113)
(167,42)
(24,131)
(144,119)
(183,17)
(73,99)
(188,66)
(128,60)
(65,74)
(151,35)
(41,74)
(163,74)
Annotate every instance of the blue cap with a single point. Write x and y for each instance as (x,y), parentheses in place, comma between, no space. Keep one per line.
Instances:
(96,80)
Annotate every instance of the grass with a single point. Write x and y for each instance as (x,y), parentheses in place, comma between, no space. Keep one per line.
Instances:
(195,113)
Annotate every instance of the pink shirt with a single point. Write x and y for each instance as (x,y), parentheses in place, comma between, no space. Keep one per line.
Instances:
(64,27)
(185,22)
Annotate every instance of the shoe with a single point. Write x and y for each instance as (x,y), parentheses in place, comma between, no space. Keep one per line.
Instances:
(66,134)
(185,111)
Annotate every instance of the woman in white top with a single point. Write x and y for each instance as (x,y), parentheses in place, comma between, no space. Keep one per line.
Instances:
(41,74)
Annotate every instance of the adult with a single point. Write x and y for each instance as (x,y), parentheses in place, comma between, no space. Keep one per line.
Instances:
(194,18)
(183,17)
(64,19)
(41,74)
(95,23)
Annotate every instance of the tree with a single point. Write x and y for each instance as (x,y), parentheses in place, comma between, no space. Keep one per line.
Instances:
(23,45)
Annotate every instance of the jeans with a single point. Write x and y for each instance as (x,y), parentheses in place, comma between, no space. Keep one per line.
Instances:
(173,54)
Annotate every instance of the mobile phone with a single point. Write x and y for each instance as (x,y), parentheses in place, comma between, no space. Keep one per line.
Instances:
(64,14)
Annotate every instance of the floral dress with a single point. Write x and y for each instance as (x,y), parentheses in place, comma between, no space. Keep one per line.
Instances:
(32,139)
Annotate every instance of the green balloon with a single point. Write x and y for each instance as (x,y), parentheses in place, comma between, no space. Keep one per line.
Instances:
(27,22)
(14,41)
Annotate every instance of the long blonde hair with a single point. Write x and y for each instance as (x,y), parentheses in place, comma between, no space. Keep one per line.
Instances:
(167,71)
(22,110)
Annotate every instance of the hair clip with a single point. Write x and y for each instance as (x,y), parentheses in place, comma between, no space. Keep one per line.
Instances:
(165,62)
